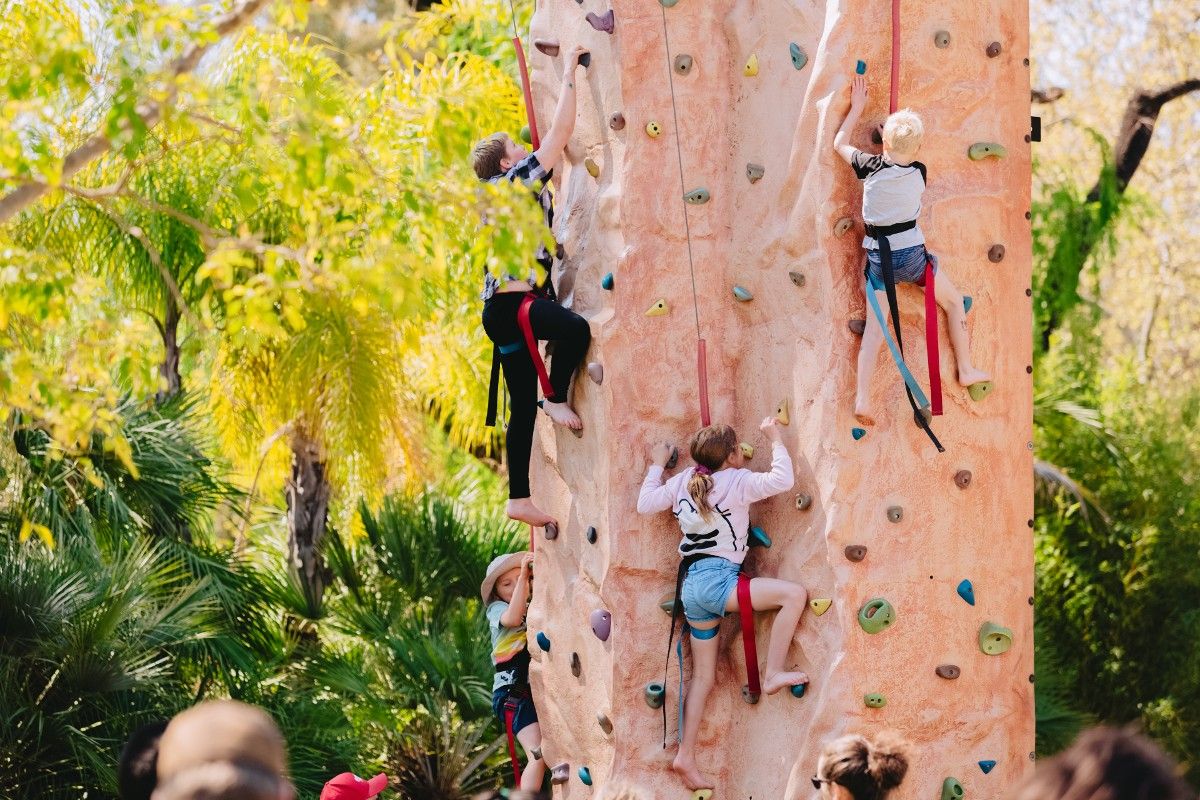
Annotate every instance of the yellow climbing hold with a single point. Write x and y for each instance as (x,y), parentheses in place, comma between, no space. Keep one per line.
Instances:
(747,450)
(781,412)
(751,66)
(982,150)
(592,167)
(659,309)
(702,794)
(842,226)
(653,129)
(980,390)
(820,605)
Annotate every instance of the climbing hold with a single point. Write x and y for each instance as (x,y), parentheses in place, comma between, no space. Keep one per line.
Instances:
(994,49)
(978,391)
(876,615)
(948,671)
(596,372)
(987,766)
(751,68)
(874,700)
(743,295)
(996,253)
(673,459)
(659,309)
(758,537)
(590,534)
(576,665)
(895,514)
(603,23)
(683,63)
(585,60)
(858,433)
(842,226)
(799,57)
(982,150)
(551,530)
(617,121)
(601,624)
(655,694)
(968,301)
(749,696)
(797,278)
(962,478)
(697,197)
(607,281)
(560,773)
(592,167)
(799,689)
(967,592)
(747,450)
(702,794)
(803,501)
(941,40)
(820,605)
(861,67)
(877,134)
(547,46)
(604,722)
(952,789)
(857,326)
(525,135)
(668,3)
(781,412)
(667,603)
(994,639)
(543,641)
(653,129)
(755,172)
(855,552)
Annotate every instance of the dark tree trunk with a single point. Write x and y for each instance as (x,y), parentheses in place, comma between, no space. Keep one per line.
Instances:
(307,493)
(168,370)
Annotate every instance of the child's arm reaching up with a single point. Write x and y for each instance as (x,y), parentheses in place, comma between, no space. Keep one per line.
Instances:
(655,496)
(563,124)
(514,615)
(761,485)
(858,102)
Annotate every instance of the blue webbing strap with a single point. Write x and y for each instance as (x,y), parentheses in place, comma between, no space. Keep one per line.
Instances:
(905,372)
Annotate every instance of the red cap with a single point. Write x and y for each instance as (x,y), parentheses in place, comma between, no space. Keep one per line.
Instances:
(349,786)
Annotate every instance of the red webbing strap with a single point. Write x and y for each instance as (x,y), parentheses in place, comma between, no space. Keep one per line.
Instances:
(531,346)
(510,711)
(529,113)
(895,98)
(931,341)
(746,612)
(702,371)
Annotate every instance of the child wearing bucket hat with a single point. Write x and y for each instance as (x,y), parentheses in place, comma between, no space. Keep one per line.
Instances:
(505,591)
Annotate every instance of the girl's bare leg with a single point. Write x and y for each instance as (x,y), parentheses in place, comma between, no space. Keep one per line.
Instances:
(951,301)
(530,738)
(704,670)
(767,594)
(868,356)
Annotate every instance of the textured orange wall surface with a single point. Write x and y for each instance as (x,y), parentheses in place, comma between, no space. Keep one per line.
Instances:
(789,342)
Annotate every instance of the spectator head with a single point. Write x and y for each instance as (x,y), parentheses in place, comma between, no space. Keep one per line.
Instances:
(349,786)
(224,780)
(136,769)
(857,768)
(1107,764)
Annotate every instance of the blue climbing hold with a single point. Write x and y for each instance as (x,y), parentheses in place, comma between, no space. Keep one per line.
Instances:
(543,641)
(585,776)
(858,433)
(987,766)
(759,538)
(967,592)
(861,67)
(798,689)
(967,301)
(607,281)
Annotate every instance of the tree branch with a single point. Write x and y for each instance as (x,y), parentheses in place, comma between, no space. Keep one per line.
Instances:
(150,113)
(1047,95)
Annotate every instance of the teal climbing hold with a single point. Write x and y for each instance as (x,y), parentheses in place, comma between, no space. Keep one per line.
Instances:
(861,67)
(876,615)
(799,57)
(858,433)
(967,302)
(585,776)
(952,789)
(799,689)
(742,295)
(967,592)
(543,641)
(697,197)
(655,693)
(607,281)
(987,766)
(759,538)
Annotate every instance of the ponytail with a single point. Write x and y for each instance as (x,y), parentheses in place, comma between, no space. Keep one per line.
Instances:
(710,448)
(699,485)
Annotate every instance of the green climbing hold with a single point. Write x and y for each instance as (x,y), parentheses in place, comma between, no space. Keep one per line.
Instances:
(994,639)
(526,137)
(668,3)
(758,537)
(858,433)
(982,150)
(655,692)
(874,700)
(667,603)
(861,67)
(607,281)
(697,197)
(952,789)
(978,391)
(799,689)
(743,295)
(799,57)
(968,301)
(747,450)
(876,615)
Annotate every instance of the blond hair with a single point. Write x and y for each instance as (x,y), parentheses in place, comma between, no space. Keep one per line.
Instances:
(868,769)
(487,154)
(903,131)
(710,447)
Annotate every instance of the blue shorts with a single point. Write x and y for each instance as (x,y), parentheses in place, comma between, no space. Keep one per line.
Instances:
(908,266)
(706,588)
(526,713)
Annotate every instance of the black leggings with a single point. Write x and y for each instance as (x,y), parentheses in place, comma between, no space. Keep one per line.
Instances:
(571,336)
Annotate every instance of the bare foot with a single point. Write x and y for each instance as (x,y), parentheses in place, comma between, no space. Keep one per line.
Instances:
(862,413)
(782,680)
(562,414)
(692,777)
(523,510)
(972,376)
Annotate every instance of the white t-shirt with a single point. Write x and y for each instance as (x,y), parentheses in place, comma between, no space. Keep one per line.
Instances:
(891,194)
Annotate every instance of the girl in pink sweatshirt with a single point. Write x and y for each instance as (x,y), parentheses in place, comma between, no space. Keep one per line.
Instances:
(712,501)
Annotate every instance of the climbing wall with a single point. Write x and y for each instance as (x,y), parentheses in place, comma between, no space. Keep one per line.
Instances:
(750,120)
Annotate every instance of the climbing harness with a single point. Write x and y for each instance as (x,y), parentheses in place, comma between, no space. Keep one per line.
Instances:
(530,344)
(518,692)
(529,112)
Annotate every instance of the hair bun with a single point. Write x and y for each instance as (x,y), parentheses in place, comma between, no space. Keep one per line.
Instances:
(887,760)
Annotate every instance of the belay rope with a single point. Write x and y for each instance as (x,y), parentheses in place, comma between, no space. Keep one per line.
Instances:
(524,70)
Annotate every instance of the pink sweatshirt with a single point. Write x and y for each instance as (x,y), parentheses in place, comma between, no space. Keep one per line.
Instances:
(726,531)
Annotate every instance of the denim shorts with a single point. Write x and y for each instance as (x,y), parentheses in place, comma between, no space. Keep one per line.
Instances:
(706,588)
(526,714)
(908,266)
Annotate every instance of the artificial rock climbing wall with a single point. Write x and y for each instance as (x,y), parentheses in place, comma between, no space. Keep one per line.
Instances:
(964,67)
